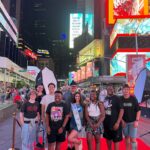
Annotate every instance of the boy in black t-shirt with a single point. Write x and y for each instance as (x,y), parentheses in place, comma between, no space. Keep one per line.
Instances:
(40,93)
(113,117)
(130,118)
(57,116)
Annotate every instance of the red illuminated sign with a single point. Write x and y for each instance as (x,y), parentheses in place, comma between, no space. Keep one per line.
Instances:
(29,53)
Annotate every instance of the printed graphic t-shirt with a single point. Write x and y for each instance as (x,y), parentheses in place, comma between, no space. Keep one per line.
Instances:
(30,109)
(57,113)
(112,106)
(131,107)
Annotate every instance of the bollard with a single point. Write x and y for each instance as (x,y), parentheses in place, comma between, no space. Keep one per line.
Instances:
(14,133)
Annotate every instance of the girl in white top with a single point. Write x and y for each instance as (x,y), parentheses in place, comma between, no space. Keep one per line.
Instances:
(94,114)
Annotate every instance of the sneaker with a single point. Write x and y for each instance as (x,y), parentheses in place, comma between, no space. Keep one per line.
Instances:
(73,148)
(69,148)
(39,145)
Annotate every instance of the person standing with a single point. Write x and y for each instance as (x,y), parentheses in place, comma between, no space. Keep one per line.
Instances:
(57,116)
(68,98)
(40,94)
(46,100)
(130,118)
(29,117)
(95,114)
(76,122)
(112,123)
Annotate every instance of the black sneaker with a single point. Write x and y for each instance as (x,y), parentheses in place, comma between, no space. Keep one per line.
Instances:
(39,145)
(73,148)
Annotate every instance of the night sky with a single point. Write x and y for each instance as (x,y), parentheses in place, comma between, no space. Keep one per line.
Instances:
(58,17)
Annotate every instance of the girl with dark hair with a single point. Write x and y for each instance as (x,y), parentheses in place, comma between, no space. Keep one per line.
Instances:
(76,121)
(94,114)
(40,93)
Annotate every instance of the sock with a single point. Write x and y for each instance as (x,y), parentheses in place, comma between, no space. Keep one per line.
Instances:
(134,145)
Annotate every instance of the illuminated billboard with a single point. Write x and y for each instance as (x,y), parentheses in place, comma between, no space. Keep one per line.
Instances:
(89,70)
(93,50)
(79,74)
(135,64)
(76,27)
(118,62)
(83,72)
(71,76)
(126,9)
(89,22)
(125,27)
(43,53)
(31,54)
(129,8)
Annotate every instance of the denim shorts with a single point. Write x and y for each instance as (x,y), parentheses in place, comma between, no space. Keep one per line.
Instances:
(130,130)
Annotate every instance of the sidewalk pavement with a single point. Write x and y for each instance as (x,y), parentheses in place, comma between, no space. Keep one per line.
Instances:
(144,127)
(7,125)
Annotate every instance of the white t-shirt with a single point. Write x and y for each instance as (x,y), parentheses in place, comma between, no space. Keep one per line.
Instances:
(93,110)
(47,99)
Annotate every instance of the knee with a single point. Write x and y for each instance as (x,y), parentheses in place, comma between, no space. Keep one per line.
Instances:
(97,140)
(69,139)
(89,140)
(127,140)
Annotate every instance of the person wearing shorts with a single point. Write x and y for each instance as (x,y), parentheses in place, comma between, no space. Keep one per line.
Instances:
(95,114)
(57,116)
(130,118)
(74,128)
(113,117)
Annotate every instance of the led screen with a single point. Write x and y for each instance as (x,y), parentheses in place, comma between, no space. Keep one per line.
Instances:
(89,22)
(71,76)
(76,27)
(118,63)
(130,26)
(128,8)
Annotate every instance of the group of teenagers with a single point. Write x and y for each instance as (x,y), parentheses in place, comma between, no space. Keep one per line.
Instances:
(63,116)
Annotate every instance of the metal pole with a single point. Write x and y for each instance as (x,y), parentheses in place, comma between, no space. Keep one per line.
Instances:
(136,44)
(14,130)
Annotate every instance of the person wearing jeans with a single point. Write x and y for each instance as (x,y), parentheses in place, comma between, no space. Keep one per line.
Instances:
(130,118)
(29,117)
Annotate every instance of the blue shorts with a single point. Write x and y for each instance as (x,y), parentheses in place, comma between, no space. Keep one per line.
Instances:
(130,130)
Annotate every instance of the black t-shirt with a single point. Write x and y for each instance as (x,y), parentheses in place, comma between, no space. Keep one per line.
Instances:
(57,113)
(112,107)
(38,99)
(30,109)
(131,107)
